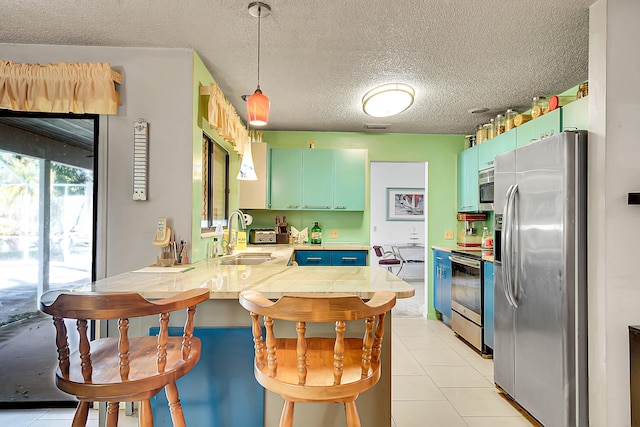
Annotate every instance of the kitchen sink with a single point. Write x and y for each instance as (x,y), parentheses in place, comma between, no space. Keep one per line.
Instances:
(247,259)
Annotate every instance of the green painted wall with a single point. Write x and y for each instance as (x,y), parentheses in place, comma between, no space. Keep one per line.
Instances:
(202,77)
(438,150)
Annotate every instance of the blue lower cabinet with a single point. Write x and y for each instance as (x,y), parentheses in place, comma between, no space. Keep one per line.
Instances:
(487,312)
(313,258)
(442,282)
(356,258)
(218,389)
(331,258)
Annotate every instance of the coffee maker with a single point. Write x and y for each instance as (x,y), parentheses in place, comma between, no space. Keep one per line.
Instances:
(469,228)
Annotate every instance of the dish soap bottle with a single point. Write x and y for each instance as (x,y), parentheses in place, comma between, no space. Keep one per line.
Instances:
(487,240)
(316,234)
(216,248)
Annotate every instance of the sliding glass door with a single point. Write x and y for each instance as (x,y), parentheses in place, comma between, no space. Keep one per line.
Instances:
(47,229)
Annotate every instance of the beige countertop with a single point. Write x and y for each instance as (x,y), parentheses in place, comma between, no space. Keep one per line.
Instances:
(332,246)
(446,248)
(282,253)
(449,248)
(273,278)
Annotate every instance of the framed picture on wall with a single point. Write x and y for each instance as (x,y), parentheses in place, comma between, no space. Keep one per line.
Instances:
(405,204)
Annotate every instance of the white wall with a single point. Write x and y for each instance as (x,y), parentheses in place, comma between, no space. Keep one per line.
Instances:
(614,279)
(396,175)
(157,86)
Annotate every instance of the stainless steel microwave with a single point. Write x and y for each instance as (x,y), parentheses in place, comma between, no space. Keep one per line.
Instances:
(485,190)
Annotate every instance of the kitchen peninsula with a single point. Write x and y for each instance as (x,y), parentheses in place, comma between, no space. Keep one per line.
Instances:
(222,312)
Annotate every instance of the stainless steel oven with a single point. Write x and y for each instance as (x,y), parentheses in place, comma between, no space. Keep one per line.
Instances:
(485,190)
(466,296)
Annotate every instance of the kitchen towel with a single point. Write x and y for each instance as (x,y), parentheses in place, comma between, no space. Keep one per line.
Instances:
(299,237)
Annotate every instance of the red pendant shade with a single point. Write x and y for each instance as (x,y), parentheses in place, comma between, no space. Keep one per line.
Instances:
(258,109)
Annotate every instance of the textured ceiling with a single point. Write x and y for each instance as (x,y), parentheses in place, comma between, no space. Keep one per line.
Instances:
(319,58)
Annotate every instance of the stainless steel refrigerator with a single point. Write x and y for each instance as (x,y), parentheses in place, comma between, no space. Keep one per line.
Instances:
(540,318)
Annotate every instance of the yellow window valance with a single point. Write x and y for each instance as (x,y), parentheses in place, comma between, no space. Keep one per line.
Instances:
(224,118)
(59,88)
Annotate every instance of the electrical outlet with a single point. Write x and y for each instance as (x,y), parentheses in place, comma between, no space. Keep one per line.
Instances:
(333,234)
(139,194)
(448,234)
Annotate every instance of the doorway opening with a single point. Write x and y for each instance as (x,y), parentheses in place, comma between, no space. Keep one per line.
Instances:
(47,239)
(399,195)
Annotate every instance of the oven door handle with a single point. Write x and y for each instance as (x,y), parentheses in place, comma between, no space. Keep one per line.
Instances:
(464,261)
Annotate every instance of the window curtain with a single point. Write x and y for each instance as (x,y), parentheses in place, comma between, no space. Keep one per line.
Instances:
(225,120)
(59,88)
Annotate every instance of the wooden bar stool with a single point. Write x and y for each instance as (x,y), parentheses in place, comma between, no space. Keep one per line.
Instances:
(123,368)
(318,369)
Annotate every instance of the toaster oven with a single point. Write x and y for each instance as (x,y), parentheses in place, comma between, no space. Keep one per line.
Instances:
(262,235)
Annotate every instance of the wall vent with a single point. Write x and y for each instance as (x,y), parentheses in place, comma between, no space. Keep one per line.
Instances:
(377,127)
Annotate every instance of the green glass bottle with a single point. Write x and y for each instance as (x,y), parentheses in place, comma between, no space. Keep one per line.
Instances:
(316,234)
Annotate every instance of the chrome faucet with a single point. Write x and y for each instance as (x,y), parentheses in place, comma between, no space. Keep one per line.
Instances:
(240,215)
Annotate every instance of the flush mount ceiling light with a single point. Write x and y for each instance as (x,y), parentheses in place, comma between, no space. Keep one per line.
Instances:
(258,104)
(388,100)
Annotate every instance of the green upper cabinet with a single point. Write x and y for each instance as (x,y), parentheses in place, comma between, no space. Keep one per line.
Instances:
(541,127)
(317,179)
(468,180)
(575,116)
(349,179)
(570,117)
(488,150)
(550,123)
(286,178)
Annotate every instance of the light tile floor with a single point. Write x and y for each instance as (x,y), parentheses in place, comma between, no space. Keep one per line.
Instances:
(437,380)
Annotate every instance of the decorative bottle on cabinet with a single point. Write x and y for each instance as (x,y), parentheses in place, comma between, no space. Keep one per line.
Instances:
(316,234)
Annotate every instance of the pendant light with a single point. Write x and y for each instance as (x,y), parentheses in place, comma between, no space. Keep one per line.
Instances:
(247,171)
(258,104)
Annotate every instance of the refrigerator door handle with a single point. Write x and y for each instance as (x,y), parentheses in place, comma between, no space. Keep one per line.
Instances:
(506,246)
(514,236)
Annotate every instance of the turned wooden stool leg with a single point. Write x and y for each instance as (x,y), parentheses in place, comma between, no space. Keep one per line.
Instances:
(146,414)
(353,419)
(112,413)
(80,417)
(286,419)
(177,416)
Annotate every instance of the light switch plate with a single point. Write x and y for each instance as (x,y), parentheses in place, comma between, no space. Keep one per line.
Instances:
(333,234)
(448,234)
